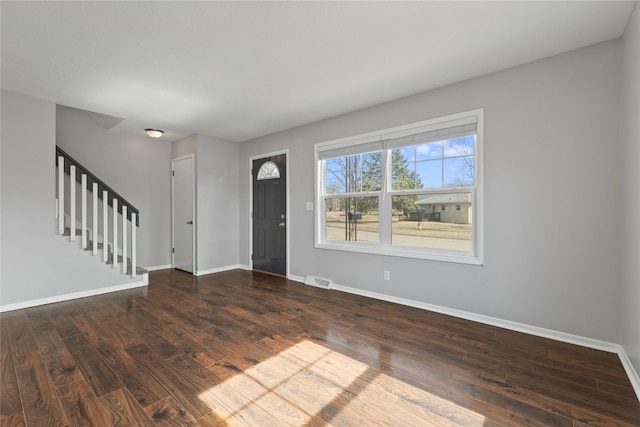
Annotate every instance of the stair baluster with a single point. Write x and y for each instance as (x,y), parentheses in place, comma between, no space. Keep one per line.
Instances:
(105,226)
(115,233)
(83,215)
(94,223)
(72,200)
(60,195)
(133,244)
(124,240)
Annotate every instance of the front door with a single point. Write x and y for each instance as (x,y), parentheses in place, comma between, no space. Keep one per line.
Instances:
(182,221)
(270,214)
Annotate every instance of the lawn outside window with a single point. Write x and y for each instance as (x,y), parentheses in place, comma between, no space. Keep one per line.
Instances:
(411,191)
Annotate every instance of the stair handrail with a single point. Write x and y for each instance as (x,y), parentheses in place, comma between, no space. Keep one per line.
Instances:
(91,178)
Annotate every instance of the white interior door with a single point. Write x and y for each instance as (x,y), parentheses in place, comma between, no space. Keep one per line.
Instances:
(183,226)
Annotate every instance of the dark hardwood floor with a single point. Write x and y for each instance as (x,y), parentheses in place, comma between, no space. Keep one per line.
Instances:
(242,348)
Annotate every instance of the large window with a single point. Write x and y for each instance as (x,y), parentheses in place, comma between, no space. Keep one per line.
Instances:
(412,191)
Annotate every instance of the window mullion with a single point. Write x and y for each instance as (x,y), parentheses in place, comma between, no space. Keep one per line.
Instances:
(385,210)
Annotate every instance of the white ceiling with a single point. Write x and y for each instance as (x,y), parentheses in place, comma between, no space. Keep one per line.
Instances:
(239,70)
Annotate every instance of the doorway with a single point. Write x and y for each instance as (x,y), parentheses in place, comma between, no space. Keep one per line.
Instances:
(269,208)
(182,206)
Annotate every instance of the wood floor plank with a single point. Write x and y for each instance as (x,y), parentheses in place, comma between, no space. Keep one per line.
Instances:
(609,409)
(181,388)
(40,403)
(220,418)
(202,350)
(16,420)
(39,319)
(81,406)
(206,380)
(162,347)
(237,396)
(60,365)
(95,370)
(19,333)
(63,323)
(168,412)
(10,403)
(122,409)
(144,388)
(624,390)
(602,371)
(309,391)
(126,327)
(531,368)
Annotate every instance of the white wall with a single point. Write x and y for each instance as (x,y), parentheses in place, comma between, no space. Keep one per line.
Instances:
(217,193)
(552,146)
(184,146)
(37,263)
(136,167)
(218,200)
(631,195)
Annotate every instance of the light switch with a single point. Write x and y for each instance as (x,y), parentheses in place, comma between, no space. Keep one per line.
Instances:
(309,206)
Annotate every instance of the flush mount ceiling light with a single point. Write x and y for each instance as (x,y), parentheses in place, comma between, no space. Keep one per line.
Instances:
(154,133)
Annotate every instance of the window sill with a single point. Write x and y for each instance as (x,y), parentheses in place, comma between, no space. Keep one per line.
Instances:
(458,257)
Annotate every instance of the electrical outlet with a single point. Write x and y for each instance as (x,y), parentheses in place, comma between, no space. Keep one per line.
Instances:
(387,275)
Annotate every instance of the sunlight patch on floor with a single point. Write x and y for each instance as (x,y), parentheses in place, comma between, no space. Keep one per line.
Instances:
(297,384)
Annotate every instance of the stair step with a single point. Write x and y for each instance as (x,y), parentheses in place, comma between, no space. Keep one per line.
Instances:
(67,231)
(90,246)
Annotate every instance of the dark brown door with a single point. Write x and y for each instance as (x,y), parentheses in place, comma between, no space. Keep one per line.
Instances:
(270,214)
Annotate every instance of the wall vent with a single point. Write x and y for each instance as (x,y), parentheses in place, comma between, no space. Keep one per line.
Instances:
(317,281)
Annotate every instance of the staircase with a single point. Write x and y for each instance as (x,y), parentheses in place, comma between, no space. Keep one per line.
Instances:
(103,221)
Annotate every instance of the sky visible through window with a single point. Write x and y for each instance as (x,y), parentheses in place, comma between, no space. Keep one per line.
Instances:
(438,164)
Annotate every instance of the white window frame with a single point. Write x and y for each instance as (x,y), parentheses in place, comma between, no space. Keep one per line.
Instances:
(384,247)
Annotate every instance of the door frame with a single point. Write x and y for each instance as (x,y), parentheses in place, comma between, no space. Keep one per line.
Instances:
(193,207)
(287,213)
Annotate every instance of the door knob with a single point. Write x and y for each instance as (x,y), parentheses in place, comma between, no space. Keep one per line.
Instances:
(282,224)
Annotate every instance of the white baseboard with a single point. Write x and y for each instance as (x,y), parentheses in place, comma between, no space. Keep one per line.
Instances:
(296,278)
(514,326)
(158,267)
(217,270)
(59,298)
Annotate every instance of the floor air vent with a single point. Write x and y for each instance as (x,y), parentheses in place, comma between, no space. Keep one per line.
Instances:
(317,281)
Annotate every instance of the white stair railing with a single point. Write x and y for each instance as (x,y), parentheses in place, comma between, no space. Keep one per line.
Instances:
(129,245)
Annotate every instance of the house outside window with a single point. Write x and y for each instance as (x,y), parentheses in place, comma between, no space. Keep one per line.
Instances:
(411,191)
